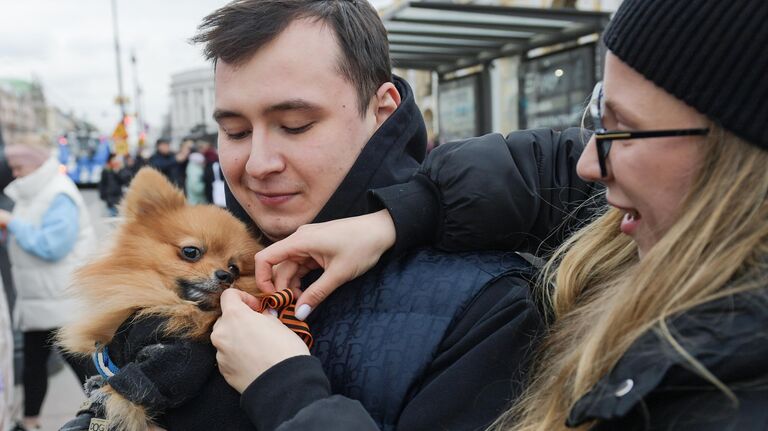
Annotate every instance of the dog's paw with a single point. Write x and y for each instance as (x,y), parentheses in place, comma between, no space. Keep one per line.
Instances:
(93,384)
(124,415)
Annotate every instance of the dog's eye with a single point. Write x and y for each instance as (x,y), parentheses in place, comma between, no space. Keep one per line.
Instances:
(234,270)
(192,254)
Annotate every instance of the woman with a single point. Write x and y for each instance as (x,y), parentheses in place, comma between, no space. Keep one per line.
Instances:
(660,303)
(50,233)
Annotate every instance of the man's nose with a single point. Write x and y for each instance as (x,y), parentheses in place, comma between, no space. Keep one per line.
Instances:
(264,159)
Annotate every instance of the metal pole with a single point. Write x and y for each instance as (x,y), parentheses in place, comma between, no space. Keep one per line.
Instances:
(120,98)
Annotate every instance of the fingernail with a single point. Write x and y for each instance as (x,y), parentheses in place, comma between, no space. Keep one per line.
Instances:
(272,311)
(303,311)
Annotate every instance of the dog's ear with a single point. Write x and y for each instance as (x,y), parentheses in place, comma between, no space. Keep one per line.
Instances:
(151,193)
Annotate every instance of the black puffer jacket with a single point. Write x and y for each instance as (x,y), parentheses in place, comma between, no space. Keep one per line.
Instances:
(494,193)
(653,387)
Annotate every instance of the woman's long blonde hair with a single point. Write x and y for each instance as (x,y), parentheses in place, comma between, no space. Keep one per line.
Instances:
(606,297)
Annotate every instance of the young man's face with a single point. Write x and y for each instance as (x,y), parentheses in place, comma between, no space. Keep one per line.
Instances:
(289,127)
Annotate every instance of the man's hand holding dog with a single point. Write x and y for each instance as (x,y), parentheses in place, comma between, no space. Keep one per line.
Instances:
(248,342)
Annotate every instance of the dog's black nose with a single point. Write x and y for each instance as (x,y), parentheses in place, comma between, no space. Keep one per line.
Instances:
(224,276)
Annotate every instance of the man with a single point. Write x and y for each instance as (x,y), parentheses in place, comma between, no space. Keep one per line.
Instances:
(310,118)
(165,161)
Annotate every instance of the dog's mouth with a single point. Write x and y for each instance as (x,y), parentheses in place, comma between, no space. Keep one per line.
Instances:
(204,292)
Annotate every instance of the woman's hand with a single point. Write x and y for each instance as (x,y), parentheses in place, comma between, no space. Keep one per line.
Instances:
(249,343)
(345,248)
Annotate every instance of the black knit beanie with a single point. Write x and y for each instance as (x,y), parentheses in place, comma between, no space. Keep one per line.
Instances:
(712,54)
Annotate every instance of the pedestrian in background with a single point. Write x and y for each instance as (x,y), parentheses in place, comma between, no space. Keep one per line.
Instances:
(6,363)
(195,185)
(50,234)
(164,160)
(111,184)
(129,169)
(212,176)
(182,159)
(7,298)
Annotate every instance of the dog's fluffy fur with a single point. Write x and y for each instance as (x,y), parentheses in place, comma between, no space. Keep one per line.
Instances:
(145,273)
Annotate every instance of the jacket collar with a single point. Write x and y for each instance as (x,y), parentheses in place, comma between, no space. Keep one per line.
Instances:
(390,156)
(28,186)
(727,336)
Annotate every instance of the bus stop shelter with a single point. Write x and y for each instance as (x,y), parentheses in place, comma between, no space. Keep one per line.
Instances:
(445,37)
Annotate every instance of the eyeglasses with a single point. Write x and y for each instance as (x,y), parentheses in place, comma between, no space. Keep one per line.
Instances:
(604,138)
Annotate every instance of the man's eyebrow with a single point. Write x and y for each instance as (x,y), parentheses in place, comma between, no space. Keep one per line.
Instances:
(221,114)
(293,105)
(288,105)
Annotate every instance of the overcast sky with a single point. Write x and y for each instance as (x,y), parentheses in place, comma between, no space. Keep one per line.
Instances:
(68,45)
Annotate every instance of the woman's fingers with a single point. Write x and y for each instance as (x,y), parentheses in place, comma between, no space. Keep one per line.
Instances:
(344,248)
(318,291)
(266,259)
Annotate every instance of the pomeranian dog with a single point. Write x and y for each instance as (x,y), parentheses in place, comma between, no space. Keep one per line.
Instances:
(149,305)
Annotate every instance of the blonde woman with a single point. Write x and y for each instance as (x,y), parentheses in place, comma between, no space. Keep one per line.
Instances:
(659,305)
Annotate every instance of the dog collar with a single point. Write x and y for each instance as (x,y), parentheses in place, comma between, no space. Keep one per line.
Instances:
(104,365)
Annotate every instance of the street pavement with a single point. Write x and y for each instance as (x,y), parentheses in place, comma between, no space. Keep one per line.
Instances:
(64,393)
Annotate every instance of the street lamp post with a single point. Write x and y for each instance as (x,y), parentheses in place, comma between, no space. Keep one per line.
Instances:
(120,98)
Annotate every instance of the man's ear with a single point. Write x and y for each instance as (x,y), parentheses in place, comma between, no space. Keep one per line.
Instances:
(386,101)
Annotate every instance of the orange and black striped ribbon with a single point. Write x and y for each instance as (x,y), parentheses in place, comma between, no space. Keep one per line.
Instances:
(285,304)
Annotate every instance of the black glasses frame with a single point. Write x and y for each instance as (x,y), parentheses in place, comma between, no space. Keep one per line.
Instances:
(604,138)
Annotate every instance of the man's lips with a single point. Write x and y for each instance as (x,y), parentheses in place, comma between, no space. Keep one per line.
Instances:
(274,198)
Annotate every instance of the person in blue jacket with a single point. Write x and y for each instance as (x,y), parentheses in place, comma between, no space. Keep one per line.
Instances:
(50,233)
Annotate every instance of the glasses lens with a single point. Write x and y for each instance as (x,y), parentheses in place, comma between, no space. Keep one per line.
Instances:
(596,107)
(603,147)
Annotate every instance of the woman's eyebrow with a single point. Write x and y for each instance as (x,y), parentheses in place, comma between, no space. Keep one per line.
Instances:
(621,111)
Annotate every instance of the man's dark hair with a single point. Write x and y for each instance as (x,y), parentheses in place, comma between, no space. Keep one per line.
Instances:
(235,32)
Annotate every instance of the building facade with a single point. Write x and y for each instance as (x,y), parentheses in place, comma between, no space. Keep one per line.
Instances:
(192,101)
(22,109)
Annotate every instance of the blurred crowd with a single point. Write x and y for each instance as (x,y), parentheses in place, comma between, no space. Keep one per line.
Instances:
(194,168)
